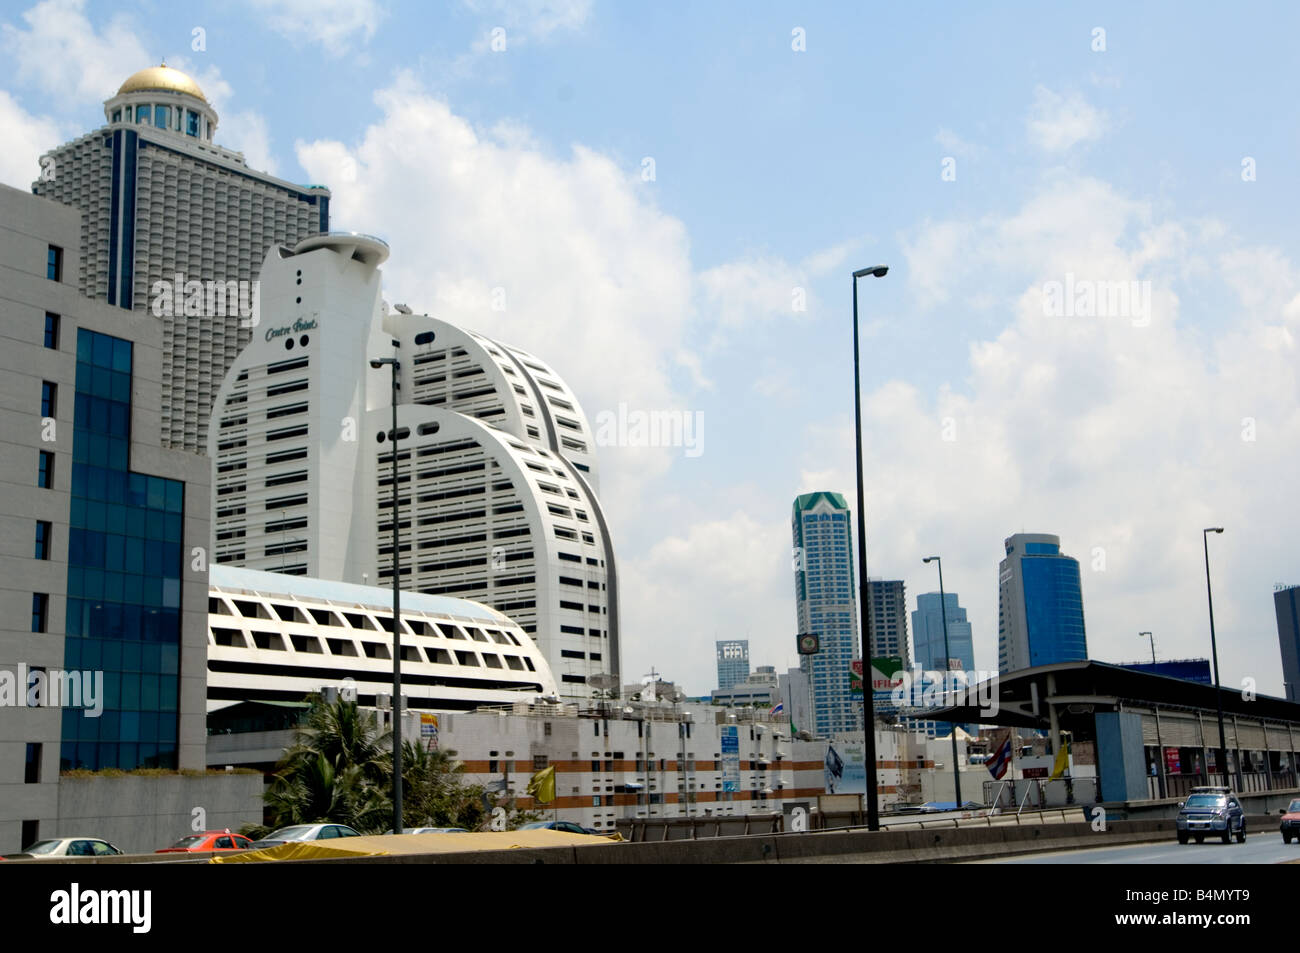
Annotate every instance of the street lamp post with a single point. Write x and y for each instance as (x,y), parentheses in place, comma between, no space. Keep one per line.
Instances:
(1214,650)
(1153,645)
(868,706)
(397,609)
(947,665)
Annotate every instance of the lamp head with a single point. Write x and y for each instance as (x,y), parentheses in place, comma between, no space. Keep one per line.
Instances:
(929,559)
(875,271)
(1214,529)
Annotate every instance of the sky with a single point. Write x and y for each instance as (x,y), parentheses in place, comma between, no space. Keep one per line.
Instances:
(1089,326)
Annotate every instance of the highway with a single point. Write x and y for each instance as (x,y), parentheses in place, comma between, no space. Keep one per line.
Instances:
(1260,848)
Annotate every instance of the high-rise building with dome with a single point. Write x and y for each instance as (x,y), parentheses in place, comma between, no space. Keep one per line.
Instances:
(160,199)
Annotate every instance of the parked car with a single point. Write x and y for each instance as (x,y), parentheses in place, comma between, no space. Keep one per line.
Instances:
(1211,810)
(566,826)
(304,832)
(67,847)
(208,841)
(1291,822)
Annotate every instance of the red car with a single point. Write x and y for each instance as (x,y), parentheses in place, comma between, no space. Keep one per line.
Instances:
(216,841)
(1291,821)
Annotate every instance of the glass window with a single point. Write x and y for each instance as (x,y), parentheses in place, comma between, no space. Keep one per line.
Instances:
(191,123)
(49,391)
(54,263)
(40,611)
(117,115)
(161,115)
(45,471)
(51,330)
(142,114)
(43,539)
(32,774)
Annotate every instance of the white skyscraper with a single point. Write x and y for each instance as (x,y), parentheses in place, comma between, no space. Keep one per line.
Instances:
(160,199)
(496,467)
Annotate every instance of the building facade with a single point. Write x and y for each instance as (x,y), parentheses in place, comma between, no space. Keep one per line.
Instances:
(761,689)
(163,205)
(733,662)
(927,630)
(496,464)
(825,606)
(104,533)
(1286,604)
(1040,604)
(889,620)
(279,638)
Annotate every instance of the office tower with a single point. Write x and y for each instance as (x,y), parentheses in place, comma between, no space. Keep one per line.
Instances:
(115,581)
(1286,603)
(889,620)
(733,662)
(496,462)
(795,695)
(927,631)
(159,199)
(824,594)
(1040,604)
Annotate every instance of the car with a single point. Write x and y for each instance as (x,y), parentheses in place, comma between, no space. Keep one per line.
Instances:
(304,832)
(215,841)
(430,830)
(1211,810)
(67,847)
(1291,822)
(567,826)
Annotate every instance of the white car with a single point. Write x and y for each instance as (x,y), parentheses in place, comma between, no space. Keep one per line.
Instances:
(67,847)
(304,832)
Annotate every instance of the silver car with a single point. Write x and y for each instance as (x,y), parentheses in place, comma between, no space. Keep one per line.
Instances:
(67,847)
(304,832)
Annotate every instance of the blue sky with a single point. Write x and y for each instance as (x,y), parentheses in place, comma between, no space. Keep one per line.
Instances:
(777,172)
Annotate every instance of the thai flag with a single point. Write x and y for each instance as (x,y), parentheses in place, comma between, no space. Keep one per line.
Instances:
(777,708)
(998,764)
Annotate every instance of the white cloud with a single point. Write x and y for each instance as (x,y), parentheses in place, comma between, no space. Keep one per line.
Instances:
(1057,123)
(536,19)
(60,51)
(334,24)
(25,137)
(765,287)
(955,145)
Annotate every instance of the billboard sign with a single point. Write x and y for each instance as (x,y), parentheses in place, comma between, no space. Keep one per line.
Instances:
(730,758)
(844,769)
(429,730)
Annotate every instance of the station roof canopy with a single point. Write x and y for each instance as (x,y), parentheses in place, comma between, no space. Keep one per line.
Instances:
(1080,689)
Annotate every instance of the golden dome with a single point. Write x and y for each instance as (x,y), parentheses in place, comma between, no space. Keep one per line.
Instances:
(162,77)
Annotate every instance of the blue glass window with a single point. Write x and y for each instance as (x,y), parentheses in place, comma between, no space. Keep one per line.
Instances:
(40,611)
(45,470)
(191,123)
(142,114)
(124,571)
(160,116)
(54,263)
(49,394)
(43,531)
(51,330)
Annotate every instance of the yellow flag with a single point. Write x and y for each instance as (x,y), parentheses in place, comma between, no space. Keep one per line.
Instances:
(1062,761)
(541,787)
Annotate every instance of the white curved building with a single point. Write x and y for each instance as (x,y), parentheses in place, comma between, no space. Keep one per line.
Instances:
(273,637)
(496,462)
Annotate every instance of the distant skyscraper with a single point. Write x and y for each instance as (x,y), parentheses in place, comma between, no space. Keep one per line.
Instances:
(927,631)
(159,198)
(824,586)
(1286,602)
(889,619)
(733,662)
(1040,604)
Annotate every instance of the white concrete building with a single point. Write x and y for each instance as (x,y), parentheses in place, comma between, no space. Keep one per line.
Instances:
(159,198)
(496,462)
(279,638)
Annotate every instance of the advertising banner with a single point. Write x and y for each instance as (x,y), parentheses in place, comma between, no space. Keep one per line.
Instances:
(730,758)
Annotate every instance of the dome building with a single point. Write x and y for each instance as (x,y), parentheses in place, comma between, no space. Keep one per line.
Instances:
(164,205)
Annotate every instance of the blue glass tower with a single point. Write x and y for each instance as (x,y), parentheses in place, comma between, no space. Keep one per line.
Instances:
(1040,604)
(927,630)
(124,576)
(824,592)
